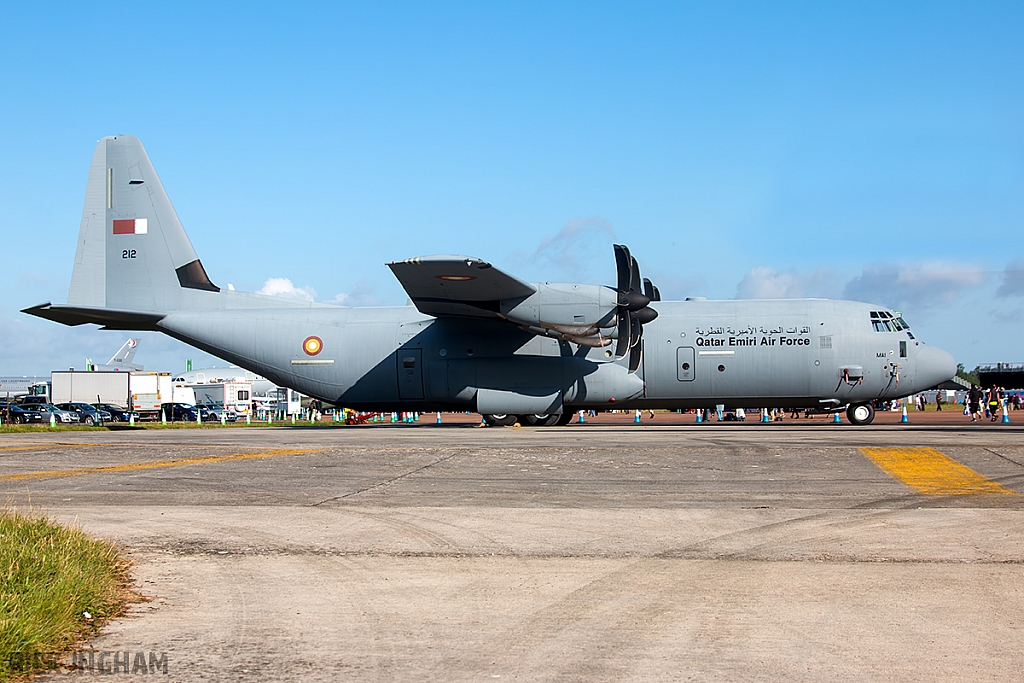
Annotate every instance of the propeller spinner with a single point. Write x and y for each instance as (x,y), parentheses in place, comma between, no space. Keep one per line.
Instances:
(633,303)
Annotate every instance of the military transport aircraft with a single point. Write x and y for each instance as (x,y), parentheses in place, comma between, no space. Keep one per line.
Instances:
(477,338)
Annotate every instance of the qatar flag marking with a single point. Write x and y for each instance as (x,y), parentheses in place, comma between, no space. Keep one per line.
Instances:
(131,226)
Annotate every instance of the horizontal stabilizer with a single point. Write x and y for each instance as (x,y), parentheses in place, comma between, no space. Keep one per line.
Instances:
(109,318)
(458,285)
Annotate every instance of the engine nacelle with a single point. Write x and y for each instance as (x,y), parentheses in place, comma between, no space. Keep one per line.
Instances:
(583,314)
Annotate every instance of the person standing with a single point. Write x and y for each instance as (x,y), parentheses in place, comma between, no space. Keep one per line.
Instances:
(938,400)
(993,402)
(974,401)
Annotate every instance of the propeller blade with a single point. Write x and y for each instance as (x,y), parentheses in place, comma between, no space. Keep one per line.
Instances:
(636,355)
(622,266)
(657,293)
(634,275)
(622,344)
(636,330)
(649,289)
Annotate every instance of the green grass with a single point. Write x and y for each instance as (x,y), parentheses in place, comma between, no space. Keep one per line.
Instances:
(50,576)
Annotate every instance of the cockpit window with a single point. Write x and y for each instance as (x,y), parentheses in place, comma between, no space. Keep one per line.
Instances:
(884,321)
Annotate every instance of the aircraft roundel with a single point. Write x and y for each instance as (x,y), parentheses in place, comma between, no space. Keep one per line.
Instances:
(313,345)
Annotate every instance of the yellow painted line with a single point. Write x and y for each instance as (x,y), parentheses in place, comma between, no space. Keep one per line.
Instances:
(46,446)
(152,464)
(932,472)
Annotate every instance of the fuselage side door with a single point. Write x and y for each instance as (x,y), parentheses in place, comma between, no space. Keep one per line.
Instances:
(410,373)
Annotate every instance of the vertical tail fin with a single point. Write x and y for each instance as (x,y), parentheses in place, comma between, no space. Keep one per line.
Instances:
(133,254)
(125,355)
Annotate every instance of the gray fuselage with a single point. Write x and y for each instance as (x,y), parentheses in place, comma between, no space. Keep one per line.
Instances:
(801,352)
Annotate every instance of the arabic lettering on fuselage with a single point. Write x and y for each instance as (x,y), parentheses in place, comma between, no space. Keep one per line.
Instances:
(752,329)
(753,335)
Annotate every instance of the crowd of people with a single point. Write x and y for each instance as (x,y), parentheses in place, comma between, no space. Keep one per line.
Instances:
(989,403)
(978,403)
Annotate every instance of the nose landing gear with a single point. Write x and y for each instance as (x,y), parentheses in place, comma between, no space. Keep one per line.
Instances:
(860,413)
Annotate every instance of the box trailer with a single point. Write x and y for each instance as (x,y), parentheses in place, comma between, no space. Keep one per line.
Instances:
(148,389)
(89,387)
(236,396)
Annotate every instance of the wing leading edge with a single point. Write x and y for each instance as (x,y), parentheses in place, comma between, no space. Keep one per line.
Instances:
(458,286)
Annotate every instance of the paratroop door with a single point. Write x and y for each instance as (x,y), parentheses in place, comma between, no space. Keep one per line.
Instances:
(410,373)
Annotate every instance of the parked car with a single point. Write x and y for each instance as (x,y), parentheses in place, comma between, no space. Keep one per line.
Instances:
(212,412)
(179,411)
(59,415)
(117,413)
(22,414)
(87,415)
(32,400)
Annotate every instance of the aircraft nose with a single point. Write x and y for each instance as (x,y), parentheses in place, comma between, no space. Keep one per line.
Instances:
(934,366)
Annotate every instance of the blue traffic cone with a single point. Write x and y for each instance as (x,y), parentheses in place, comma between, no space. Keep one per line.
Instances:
(700,417)
(439,417)
(636,416)
(764,415)
(1006,413)
(582,418)
(903,416)
(836,419)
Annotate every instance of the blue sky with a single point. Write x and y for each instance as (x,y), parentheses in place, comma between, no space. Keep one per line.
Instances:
(855,150)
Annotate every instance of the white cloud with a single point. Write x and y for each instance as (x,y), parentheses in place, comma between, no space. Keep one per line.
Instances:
(282,286)
(763,282)
(363,294)
(914,286)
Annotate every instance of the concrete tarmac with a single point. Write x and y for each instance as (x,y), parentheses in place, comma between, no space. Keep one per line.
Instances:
(718,552)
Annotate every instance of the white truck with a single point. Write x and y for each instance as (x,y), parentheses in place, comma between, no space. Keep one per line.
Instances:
(148,389)
(236,396)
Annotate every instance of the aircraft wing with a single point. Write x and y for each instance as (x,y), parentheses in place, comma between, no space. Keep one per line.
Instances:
(458,285)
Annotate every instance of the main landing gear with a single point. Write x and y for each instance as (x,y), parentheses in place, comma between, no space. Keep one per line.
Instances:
(500,420)
(539,420)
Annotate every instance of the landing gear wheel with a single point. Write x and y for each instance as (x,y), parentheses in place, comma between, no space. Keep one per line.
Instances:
(500,420)
(564,419)
(861,413)
(546,420)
